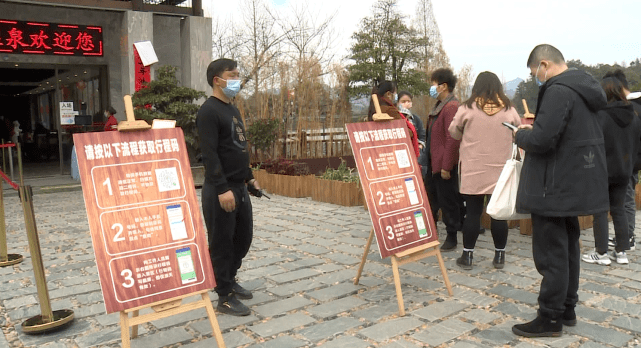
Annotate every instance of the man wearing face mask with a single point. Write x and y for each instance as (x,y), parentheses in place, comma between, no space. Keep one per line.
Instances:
(226,205)
(564,175)
(442,175)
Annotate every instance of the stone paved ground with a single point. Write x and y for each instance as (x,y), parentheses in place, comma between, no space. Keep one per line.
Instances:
(301,267)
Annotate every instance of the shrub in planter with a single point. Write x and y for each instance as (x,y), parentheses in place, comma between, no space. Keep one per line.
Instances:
(284,166)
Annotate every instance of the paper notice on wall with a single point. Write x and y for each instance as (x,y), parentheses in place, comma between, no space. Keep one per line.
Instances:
(146,52)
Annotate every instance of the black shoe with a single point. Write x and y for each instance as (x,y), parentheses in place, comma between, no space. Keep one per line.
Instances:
(539,327)
(241,292)
(482,230)
(450,242)
(569,317)
(465,261)
(230,305)
(499,259)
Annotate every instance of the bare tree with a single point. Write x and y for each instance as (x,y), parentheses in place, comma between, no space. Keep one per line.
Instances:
(226,40)
(465,82)
(433,54)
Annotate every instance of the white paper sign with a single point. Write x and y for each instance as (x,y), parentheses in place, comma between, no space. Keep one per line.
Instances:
(67,115)
(146,52)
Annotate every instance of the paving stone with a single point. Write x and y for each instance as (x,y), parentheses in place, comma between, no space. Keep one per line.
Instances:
(624,293)
(583,312)
(106,336)
(599,333)
(282,306)
(345,341)
(291,276)
(337,277)
(305,263)
(266,261)
(282,324)
(621,306)
(470,344)
(297,287)
(511,279)
(476,298)
(180,318)
(20,302)
(335,291)
(77,327)
(383,293)
(443,332)
(225,322)
(108,319)
(281,342)
(386,330)
(515,294)
(560,342)
(479,316)
(627,323)
(468,281)
(262,272)
(28,312)
(401,344)
(498,335)
(162,338)
(88,311)
(74,290)
(335,307)
(343,258)
(593,345)
(231,339)
(329,329)
(516,310)
(422,283)
(90,298)
(439,310)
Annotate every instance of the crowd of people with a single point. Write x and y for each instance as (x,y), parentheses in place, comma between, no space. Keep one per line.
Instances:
(583,155)
(581,158)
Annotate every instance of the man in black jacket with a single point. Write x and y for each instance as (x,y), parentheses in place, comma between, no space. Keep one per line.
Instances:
(564,175)
(226,205)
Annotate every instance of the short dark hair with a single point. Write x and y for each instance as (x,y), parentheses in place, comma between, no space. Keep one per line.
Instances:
(444,75)
(401,94)
(111,110)
(619,75)
(545,51)
(613,89)
(380,90)
(218,67)
(488,87)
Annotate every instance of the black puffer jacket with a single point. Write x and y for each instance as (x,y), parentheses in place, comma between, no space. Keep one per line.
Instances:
(622,135)
(564,172)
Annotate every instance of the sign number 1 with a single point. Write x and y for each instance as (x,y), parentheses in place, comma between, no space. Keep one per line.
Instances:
(108,184)
(369,160)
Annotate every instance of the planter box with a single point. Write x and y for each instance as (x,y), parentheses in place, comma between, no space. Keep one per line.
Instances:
(285,185)
(347,194)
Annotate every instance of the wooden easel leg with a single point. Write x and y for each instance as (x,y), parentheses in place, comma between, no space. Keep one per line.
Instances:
(360,267)
(213,321)
(134,329)
(397,284)
(124,330)
(441,264)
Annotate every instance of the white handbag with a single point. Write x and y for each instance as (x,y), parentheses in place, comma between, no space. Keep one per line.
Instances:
(502,205)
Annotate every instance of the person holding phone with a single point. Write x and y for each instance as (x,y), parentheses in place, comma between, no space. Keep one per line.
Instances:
(564,175)
(482,158)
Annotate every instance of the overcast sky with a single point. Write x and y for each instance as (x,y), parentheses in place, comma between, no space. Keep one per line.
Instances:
(498,35)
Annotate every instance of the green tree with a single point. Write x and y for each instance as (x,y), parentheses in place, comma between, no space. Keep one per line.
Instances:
(386,48)
(529,91)
(163,98)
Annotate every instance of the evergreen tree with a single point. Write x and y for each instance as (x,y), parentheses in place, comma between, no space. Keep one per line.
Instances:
(163,98)
(386,48)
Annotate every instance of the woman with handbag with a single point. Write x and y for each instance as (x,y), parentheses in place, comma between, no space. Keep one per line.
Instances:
(485,147)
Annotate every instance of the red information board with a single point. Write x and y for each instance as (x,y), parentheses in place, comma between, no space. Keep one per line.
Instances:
(393,186)
(147,233)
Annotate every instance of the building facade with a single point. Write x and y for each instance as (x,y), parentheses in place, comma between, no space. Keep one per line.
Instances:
(80,54)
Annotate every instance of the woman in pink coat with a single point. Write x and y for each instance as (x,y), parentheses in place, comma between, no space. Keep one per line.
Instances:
(485,147)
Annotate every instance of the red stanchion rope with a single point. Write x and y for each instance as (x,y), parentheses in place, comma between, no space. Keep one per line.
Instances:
(6,178)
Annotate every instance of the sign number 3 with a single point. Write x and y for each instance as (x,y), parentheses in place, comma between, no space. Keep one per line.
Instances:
(129,281)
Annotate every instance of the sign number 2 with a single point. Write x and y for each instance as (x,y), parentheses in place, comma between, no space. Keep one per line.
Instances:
(118,237)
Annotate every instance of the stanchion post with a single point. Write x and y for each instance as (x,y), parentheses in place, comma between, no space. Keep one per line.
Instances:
(6,259)
(48,319)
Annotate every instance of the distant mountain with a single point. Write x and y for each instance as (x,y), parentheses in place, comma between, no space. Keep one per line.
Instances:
(510,87)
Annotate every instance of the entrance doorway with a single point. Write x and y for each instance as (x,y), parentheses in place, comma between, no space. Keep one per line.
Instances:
(31,96)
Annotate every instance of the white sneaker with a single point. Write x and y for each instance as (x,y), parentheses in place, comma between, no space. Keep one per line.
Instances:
(595,257)
(620,257)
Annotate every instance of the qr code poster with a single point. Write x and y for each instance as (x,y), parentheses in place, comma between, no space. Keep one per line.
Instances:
(393,185)
(148,237)
(167,179)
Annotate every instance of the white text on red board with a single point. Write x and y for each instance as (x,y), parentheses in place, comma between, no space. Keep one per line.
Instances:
(379,135)
(132,148)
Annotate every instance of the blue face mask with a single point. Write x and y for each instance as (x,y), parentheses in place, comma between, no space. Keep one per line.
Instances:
(433,93)
(536,76)
(232,88)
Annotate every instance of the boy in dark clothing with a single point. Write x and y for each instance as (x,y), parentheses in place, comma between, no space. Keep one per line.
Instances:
(226,205)
(564,175)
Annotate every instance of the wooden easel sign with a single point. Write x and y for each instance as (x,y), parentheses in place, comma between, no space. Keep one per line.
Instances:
(396,197)
(148,238)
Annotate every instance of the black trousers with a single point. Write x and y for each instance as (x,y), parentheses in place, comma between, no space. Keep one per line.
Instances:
(472,224)
(229,234)
(449,200)
(556,252)
(617,193)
